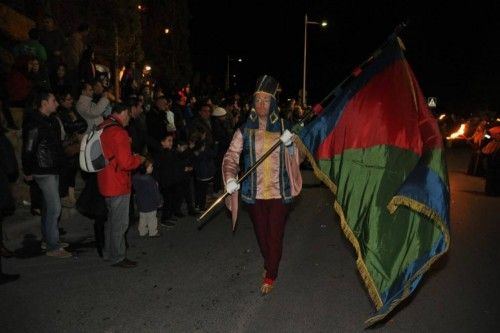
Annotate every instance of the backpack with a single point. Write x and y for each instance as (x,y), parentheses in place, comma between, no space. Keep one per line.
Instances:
(91,154)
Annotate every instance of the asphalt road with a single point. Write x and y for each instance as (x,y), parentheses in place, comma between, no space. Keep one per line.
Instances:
(208,280)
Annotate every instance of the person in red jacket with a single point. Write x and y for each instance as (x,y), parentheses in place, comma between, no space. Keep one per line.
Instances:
(115,184)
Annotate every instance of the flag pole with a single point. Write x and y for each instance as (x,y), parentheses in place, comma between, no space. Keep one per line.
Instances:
(309,115)
(240,180)
(250,170)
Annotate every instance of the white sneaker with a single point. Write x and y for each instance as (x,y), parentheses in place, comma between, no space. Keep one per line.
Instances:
(60,253)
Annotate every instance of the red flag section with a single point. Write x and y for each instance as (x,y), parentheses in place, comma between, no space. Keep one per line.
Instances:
(391,89)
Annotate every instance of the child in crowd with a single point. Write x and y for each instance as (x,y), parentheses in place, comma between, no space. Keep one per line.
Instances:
(185,190)
(148,198)
(168,172)
(204,167)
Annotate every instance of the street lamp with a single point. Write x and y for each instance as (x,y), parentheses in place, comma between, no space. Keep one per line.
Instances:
(229,59)
(306,22)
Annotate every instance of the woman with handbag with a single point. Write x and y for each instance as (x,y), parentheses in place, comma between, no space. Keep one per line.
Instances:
(91,204)
(73,126)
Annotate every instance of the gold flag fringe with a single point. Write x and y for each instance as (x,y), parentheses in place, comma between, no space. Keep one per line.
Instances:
(392,206)
(396,201)
(363,271)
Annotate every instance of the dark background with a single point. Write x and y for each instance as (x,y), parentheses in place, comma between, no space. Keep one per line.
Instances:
(453,48)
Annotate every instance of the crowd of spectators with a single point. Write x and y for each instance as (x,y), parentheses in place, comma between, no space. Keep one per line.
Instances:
(55,94)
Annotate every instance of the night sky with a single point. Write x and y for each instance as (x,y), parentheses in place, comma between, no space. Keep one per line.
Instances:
(454,50)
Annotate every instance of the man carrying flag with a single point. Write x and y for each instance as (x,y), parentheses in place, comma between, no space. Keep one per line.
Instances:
(271,188)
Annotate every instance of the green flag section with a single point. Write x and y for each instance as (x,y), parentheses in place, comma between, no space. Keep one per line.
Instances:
(378,148)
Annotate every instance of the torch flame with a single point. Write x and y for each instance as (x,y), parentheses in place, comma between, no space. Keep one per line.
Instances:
(457,134)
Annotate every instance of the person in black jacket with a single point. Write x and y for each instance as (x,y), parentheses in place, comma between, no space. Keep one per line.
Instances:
(138,132)
(202,123)
(156,121)
(86,66)
(36,197)
(222,135)
(185,187)
(179,110)
(92,204)
(60,83)
(74,126)
(137,128)
(168,172)
(42,159)
(204,168)
(491,153)
(9,172)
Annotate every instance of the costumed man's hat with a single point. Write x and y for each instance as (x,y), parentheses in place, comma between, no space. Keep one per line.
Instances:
(267,84)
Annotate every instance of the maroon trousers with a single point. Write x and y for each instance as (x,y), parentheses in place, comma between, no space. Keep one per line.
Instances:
(269,219)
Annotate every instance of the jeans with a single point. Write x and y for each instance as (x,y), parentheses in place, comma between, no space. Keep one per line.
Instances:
(51,208)
(115,227)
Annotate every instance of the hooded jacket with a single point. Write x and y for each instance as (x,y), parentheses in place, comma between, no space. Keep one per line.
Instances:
(115,178)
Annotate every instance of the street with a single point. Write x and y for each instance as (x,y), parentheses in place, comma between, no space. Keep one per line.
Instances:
(208,280)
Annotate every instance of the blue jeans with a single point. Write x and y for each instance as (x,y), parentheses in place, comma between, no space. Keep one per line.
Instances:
(51,209)
(115,227)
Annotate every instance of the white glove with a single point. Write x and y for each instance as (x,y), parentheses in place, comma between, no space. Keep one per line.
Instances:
(232,186)
(286,137)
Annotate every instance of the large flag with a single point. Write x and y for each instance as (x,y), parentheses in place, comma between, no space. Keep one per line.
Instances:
(379,149)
